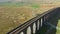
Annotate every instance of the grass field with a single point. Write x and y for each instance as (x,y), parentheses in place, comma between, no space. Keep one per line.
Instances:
(11,17)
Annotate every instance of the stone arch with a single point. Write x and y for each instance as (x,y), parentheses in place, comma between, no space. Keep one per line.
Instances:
(21,33)
(41,22)
(29,30)
(34,28)
(38,23)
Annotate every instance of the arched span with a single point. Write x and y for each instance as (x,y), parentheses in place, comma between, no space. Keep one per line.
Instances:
(38,25)
(29,30)
(21,33)
(34,28)
(41,21)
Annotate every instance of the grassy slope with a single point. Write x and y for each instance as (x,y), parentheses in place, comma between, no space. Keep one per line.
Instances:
(12,17)
(14,14)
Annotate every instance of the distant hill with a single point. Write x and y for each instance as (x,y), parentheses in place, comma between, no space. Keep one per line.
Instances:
(15,3)
(12,4)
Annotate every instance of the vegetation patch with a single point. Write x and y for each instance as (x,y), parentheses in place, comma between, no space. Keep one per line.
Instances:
(35,6)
